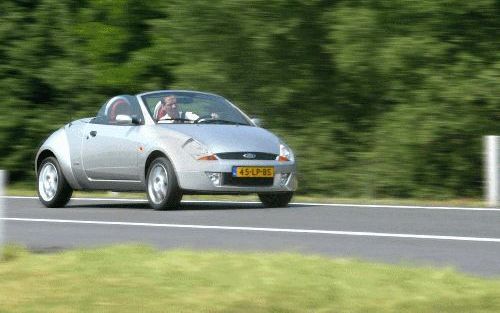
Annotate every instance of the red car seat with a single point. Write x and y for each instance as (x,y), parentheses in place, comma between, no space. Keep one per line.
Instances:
(120,106)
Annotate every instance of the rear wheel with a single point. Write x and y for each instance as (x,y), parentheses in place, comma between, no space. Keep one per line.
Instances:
(275,200)
(163,190)
(53,189)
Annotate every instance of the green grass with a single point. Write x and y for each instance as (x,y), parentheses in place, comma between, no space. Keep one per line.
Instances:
(28,190)
(141,279)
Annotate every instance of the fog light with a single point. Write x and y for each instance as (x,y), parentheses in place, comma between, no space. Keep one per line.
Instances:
(215,178)
(284,178)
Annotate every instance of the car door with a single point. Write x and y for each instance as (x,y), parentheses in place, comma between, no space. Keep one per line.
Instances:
(110,149)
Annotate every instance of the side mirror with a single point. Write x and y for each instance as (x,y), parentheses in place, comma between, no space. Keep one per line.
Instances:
(122,119)
(257,121)
(136,120)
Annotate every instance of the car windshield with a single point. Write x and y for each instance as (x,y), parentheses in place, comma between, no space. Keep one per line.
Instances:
(192,108)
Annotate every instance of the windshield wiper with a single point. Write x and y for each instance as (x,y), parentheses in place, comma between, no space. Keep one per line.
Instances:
(216,121)
(175,119)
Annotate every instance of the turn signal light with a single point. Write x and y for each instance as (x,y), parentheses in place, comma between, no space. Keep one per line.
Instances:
(210,157)
(283,159)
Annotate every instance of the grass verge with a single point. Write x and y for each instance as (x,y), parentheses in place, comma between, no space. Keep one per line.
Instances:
(24,190)
(141,279)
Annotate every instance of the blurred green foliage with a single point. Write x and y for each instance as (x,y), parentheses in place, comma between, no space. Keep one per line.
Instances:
(377,98)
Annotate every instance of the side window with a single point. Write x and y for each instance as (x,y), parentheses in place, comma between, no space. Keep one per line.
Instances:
(126,105)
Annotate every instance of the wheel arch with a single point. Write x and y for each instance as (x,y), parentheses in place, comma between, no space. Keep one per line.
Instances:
(63,191)
(58,145)
(42,156)
(46,153)
(153,155)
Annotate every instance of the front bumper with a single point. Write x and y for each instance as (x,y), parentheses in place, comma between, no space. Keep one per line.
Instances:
(198,181)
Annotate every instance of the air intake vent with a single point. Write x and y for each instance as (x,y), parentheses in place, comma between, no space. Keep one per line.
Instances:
(229,180)
(247,156)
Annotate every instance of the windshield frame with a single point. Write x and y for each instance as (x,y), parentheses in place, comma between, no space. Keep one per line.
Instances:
(142,97)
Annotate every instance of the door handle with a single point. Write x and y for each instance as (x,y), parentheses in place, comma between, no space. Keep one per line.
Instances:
(93,133)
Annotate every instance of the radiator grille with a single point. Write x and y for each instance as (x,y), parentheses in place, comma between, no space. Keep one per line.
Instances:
(240,156)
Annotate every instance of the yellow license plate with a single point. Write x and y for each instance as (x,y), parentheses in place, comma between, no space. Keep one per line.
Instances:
(253,171)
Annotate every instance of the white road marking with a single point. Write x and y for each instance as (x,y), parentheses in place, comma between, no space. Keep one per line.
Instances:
(384,206)
(352,205)
(259,229)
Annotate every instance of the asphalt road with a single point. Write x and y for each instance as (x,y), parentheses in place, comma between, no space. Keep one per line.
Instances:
(467,239)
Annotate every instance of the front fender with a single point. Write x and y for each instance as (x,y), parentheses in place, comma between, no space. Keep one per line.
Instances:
(168,143)
(58,145)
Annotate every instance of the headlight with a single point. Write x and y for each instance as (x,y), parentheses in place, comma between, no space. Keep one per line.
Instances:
(198,151)
(286,154)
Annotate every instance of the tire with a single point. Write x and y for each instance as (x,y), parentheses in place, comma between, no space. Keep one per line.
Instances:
(162,186)
(276,200)
(53,189)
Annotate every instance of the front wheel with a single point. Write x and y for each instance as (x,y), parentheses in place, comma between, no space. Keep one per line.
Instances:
(53,189)
(163,189)
(275,200)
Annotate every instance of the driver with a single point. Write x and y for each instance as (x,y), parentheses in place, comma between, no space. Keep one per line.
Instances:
(167,109)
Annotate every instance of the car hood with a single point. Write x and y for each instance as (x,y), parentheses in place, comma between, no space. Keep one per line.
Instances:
(229,138)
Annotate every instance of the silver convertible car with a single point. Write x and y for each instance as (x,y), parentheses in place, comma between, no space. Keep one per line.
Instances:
(167,143)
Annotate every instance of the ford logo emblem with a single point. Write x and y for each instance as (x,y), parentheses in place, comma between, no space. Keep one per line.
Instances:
(249,156)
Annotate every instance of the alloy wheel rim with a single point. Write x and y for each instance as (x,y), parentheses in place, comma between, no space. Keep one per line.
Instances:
(47,182)
(158,184)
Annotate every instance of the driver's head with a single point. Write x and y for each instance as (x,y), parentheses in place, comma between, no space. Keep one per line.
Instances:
(170,103)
